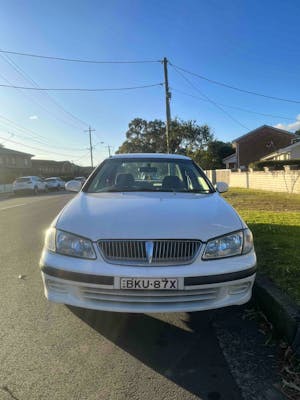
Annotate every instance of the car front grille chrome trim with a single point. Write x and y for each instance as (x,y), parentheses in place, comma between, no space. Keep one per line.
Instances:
(158,252)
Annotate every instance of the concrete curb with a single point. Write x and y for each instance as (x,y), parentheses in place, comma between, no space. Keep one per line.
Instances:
(282,312)
(7,195)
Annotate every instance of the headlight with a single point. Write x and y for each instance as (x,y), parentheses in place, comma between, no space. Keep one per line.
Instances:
(234,244)
(68,244)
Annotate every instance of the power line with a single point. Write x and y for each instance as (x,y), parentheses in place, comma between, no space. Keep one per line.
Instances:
(234,87)
(80,158)
(20,71)
(80,60)
(82,89)
(36,148)
(235,107)
(22,136)
(210,100)
(46,109)
(32,133)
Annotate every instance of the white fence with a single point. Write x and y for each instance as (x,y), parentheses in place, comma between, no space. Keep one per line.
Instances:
(287,181)
(6,188)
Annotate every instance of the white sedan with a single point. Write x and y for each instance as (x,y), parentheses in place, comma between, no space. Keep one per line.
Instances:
(32,184)
(130,243)
(55,183)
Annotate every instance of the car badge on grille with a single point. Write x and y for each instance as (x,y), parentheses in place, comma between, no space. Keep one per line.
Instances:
(149,251)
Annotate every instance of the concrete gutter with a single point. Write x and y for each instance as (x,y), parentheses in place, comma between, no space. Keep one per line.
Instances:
(281,311)
(6,195)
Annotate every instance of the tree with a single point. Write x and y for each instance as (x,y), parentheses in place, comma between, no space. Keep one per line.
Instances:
(186,137)
(212,156)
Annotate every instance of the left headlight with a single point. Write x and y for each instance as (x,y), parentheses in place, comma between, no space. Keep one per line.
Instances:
(69,244)
(234,244)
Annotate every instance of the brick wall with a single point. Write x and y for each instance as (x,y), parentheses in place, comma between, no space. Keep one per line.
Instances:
(261,142)
(287,181)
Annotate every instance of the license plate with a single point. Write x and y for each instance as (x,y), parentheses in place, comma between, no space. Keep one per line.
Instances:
(149,283)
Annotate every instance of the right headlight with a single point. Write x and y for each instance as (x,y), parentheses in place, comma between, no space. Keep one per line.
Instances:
(233,244)
(69,244)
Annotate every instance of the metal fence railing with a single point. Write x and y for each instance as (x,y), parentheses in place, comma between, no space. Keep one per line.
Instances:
(6,188)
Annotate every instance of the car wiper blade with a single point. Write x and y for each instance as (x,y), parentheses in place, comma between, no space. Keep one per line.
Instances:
(199,191)
(124,190)
(113,190)
(186,191)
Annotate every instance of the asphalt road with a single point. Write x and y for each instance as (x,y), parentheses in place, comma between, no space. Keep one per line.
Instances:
(50,351)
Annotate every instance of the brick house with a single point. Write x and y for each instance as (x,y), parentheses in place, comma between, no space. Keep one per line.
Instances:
(53,168)
(256,144)
(291,152)
(13,164)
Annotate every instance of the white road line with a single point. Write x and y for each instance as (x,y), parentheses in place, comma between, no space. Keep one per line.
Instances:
(22,204)
(17,205)
(31,202)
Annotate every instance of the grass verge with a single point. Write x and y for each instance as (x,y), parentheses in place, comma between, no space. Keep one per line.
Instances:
(274,219)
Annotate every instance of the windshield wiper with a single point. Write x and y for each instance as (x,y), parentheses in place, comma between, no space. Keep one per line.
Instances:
(114,190)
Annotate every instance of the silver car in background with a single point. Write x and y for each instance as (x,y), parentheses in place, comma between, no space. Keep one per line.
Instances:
(32,184)
(55,183)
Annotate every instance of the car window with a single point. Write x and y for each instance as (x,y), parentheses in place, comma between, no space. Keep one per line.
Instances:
(23,180)
(157,175)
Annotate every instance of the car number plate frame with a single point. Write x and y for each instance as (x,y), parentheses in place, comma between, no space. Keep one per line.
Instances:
(127,283)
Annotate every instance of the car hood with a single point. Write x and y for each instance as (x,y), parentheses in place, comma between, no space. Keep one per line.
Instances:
(148,216)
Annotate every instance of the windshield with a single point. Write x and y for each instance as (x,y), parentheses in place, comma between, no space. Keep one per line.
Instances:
(148,175)
(23,180)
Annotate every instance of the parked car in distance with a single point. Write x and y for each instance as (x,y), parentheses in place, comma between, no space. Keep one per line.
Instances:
(130,244)
(78,182)
(82,179)
(55,183)
(27,184)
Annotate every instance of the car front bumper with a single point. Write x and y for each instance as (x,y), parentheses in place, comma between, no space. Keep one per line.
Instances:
(87,284)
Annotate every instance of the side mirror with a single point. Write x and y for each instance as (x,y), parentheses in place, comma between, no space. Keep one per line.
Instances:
(221,187)
(73,186)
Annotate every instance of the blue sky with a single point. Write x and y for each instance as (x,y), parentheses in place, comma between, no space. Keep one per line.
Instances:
(250,44)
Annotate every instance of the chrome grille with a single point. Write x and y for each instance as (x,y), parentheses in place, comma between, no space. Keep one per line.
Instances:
(149,252)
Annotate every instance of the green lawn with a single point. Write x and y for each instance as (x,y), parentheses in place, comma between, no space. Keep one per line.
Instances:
(274,219)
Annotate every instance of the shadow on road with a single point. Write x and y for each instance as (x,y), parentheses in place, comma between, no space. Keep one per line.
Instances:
(188,356)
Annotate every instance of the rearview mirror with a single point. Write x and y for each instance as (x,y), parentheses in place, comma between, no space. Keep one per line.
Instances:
(221,187)
(73,186)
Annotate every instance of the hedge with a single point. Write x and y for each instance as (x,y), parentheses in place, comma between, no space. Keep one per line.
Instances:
(274,164)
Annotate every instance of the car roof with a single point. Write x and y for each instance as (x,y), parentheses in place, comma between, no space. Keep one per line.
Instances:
(29,176)
(151,155)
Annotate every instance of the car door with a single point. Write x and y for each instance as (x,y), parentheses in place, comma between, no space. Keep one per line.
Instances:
(41,184)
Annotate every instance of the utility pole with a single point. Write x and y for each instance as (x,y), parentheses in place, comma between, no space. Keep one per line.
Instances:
(108,148)
(168,112)
(90,130)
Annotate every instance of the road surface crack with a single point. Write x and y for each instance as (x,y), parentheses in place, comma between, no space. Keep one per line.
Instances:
(7,390)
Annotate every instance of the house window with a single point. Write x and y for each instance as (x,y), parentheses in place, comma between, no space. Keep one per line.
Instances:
(25,162)
(13,160)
